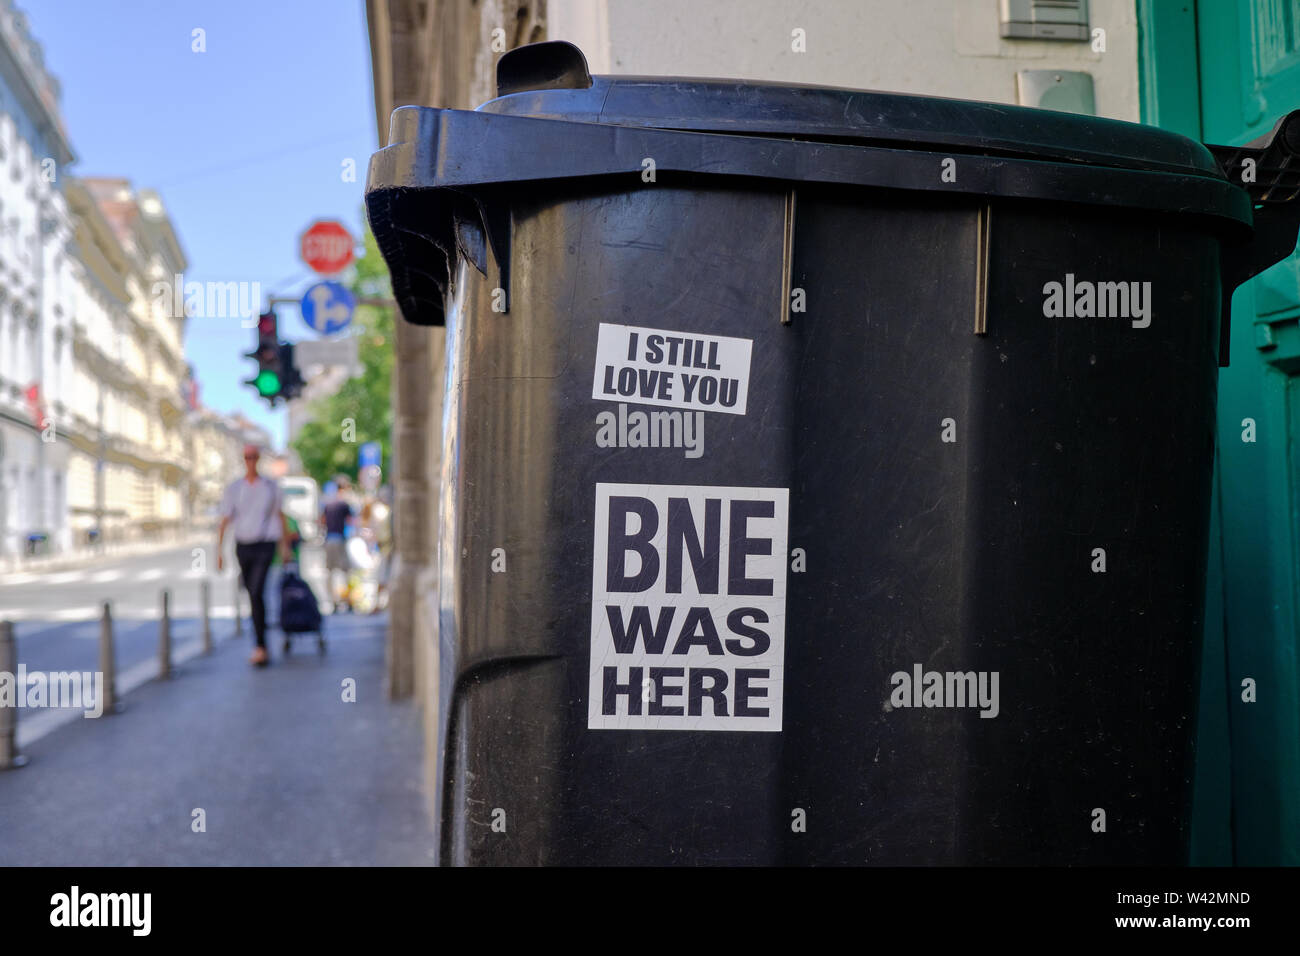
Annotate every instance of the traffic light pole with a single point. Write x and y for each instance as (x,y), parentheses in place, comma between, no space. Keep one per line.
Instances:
(378,301)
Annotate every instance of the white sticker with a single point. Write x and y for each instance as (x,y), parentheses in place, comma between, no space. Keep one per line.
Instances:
(688,608)
(709,373)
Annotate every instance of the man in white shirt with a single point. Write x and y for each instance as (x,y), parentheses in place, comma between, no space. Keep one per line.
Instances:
(252,507)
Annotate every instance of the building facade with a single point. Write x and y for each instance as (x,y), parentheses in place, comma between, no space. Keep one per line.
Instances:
(216,443)
(128,464)
(101,438)
(36,296)
(131,471)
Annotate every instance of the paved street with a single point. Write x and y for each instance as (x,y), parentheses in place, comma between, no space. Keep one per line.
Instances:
(57,612)
(133,583)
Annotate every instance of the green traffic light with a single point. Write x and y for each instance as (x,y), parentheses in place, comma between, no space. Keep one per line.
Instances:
(267,383)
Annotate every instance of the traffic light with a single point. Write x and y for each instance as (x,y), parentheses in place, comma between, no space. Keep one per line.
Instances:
(292,378)
(269,380)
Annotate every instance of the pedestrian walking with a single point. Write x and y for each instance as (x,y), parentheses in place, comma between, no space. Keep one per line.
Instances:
(252,507)
(337,515)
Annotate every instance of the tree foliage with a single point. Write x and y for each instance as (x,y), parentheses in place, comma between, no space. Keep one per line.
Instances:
(361,410)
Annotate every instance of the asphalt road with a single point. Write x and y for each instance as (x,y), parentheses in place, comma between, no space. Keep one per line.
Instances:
(56,613)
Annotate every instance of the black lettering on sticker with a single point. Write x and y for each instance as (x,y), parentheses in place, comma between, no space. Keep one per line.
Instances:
(654,348)
(649,382)
(744,691)
(742,546)
(624,636)
(662,690)
(683,536)
(739,626)
(716,691)
(613,690)
(698,619)
(729,393)
(621,542)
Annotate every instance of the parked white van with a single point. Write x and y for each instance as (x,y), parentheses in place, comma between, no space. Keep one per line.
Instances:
(302,504)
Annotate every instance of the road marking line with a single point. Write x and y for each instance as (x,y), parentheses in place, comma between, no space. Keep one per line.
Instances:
(64,577)
(45,614)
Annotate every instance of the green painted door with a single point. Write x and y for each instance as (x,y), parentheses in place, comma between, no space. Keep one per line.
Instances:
(1224,71)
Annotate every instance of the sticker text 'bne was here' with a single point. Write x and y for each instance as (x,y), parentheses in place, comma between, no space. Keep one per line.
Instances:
(688,608)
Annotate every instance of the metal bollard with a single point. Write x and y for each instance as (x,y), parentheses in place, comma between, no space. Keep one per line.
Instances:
(108,659)
(165,637)
(239,621)
(207,626)
(9,755)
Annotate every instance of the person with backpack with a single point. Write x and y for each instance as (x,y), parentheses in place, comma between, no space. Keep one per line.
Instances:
(251,507)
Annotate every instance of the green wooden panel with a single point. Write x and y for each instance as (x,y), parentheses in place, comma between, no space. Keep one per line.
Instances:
(1257,501)
(1224,71)
(1168,72)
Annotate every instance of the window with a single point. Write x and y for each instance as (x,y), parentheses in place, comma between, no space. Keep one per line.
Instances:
(1277,33)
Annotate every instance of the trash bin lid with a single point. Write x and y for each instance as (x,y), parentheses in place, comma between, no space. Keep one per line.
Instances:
(799,111)
(553,120)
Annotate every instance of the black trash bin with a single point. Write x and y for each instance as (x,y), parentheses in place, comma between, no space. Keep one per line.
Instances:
(826,473)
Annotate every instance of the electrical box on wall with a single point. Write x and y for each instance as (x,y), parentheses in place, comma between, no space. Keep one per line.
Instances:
(1044,19)
(1069,91)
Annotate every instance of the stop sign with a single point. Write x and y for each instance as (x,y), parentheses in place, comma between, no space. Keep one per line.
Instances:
(327,246)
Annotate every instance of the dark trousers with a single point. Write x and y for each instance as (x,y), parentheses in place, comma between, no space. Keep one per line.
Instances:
(254,561)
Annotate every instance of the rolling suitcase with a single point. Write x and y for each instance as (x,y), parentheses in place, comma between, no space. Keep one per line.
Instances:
(299,612)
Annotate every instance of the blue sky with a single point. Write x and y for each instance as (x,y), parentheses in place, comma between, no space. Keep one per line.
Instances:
(245,142)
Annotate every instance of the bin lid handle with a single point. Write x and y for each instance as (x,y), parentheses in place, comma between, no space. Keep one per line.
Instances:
(553,65)
(1268,170)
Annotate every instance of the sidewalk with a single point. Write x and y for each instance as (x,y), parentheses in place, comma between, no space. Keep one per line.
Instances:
(285,771)
(87,555)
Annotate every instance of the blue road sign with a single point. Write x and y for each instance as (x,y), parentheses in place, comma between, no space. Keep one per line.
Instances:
(369,454)
(327,307)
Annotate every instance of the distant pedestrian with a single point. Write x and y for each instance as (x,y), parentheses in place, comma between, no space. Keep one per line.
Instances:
(378,521)
(336,517)
(252,505)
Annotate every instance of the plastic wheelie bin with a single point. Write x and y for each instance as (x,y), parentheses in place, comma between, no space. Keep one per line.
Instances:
(826,473)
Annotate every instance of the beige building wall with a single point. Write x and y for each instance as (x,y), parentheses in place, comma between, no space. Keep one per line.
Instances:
(216,446)
(100,394)
(129,466)
(931,47)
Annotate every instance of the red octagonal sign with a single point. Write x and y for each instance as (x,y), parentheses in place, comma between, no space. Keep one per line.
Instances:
(327,246)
